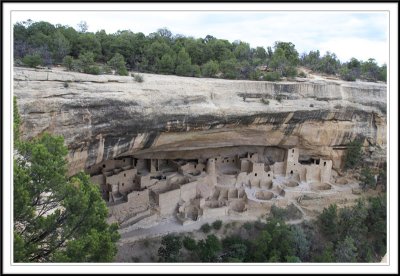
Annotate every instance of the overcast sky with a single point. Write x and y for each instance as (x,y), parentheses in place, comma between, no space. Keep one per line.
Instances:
(348,34)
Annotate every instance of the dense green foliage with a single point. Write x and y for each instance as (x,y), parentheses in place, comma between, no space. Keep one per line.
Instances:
(117,63)
(217,224)
(353,154)
(189,244)
(367,179)
(207,249)
(354,69)
(33,60)
(68,62)
(285,59)
(350,234)
(206,228)
(170,249)
(358,234)
(56,218)
(162,52)
(382,176)
(16,120)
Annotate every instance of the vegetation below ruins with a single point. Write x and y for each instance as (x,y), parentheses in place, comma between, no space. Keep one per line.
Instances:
(350,234)
(56,218)
(161,52)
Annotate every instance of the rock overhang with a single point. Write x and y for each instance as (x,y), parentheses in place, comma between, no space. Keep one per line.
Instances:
(103,117)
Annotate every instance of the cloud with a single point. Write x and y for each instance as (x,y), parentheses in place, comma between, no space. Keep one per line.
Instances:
(363,49)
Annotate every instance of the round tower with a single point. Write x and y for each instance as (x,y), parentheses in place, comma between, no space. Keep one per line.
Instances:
(211,166)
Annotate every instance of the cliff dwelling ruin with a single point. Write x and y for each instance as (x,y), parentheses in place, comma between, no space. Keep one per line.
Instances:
(191,190)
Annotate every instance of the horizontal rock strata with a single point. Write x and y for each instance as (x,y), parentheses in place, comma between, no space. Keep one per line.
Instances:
(104,117)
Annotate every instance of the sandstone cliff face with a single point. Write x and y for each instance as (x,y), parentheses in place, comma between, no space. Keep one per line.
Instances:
(103,117)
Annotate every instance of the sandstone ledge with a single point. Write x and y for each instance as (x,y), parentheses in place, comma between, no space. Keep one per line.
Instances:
(102,117)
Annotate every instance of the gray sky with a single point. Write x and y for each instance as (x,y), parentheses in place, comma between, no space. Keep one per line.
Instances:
(348,34)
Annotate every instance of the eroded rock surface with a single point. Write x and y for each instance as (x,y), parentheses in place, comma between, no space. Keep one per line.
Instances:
(103,117)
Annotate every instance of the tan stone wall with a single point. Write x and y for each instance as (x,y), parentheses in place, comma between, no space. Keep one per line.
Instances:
(302,173)
(139,198)
(187,168)
(266,183)
(215,212)
(260,179)
(211,166)
(188,191)
(292,162)
(127,179)
(114,180)
(137,202)
(253,157)
(127,161)
(98,179)
(242,179)
(244,165)
(313,173)
(144,181)
(257,168)
(160,186)
(168,202)
(204,189)
(200,167)
(278,168)
(326,170)
(254,181)
(109,165)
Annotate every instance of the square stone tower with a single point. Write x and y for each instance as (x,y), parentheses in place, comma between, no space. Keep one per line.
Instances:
(292,162)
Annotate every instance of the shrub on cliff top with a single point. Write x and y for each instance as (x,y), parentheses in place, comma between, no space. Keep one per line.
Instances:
(32,60)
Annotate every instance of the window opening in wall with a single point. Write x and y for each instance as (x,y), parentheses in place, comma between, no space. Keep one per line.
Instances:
(125,174)
(291,172)
(269,175)
(317,162)
(123,184)
(293,150)
(255,174)
(104,165)
(215,159)
(324,163)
